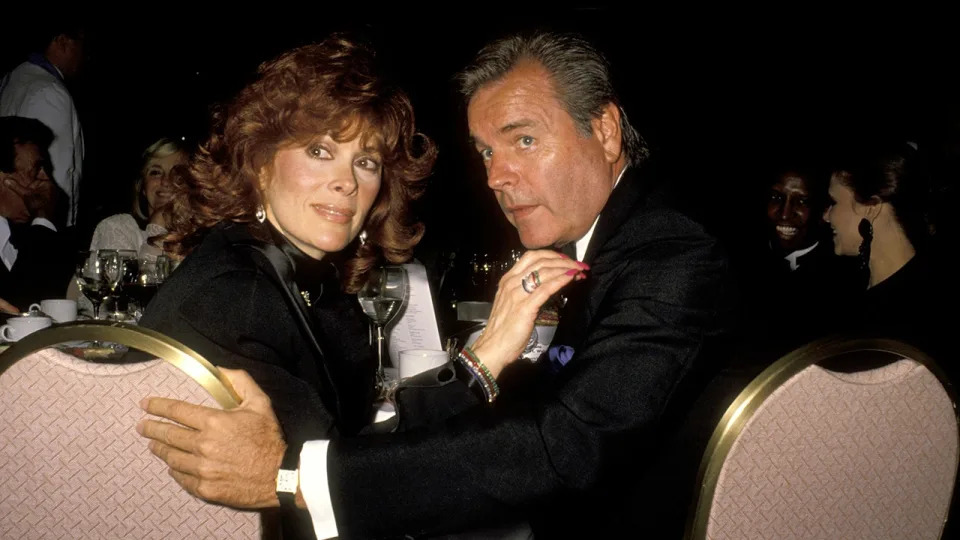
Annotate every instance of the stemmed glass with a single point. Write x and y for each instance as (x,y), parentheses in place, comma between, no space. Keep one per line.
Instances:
(91,275)
(381,299)
(153,272)
(123,273)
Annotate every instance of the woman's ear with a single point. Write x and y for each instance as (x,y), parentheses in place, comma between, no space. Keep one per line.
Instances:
(872,208)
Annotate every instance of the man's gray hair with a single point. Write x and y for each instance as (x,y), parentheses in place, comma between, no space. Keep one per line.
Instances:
(580,74)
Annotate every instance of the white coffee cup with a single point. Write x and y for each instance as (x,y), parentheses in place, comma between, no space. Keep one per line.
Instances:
(19,327)
(414,361)
(60,310)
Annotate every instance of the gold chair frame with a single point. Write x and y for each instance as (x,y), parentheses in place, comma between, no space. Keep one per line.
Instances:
(749,400)
(144,339)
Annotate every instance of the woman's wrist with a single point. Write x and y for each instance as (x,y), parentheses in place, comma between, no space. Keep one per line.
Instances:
(480,373)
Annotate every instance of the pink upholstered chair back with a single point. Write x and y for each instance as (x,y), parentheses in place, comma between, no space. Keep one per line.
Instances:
(72,466)
(809,453)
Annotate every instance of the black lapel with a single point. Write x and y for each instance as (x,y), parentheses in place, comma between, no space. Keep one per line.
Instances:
(633,187)
(575,317)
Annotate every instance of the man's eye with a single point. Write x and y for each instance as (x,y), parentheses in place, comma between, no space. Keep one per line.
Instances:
(526,140)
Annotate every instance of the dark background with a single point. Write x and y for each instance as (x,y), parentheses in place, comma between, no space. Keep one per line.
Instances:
(720,95)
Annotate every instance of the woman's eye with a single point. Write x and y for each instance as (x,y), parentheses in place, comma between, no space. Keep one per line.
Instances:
(368,164)
(318,152)
(486,153)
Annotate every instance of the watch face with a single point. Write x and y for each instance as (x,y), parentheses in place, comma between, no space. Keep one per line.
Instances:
(287,481)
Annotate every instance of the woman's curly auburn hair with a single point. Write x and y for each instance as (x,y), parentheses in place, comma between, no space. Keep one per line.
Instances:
(328,88)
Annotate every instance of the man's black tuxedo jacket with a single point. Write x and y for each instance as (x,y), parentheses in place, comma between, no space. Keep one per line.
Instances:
(44,266)
(562,446)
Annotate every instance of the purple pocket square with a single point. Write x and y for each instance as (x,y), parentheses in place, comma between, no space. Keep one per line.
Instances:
(560,354)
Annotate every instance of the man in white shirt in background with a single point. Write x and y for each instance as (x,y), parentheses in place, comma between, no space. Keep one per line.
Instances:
(36,89)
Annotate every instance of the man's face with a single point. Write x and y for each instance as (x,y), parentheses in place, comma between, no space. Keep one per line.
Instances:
(550,180)
(72,55)
(789,207)
(29,163)
(29,167)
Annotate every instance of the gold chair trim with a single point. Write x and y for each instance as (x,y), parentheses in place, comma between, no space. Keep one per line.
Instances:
(749,400)
(144,339)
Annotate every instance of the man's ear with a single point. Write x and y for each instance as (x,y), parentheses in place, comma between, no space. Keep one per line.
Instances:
(606,128)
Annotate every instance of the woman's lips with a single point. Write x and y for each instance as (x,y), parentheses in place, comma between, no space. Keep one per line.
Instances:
(334,213)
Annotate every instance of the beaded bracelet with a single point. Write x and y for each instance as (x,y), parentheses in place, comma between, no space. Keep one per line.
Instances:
(489,382)
(477,375)
(473,356)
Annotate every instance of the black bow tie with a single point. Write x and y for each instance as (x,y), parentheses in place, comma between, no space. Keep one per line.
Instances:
(570,250)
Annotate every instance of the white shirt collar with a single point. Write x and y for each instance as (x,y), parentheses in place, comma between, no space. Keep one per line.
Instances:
(8,253)
(792,258)
(585,241)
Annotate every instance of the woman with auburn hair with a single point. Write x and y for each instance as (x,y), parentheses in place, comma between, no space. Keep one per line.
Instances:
(316,150)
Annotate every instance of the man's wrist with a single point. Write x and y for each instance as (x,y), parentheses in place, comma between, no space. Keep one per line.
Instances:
(288,477)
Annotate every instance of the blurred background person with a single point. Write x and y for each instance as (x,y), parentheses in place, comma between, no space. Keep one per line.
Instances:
(36,260)
(879,214)
(36,89)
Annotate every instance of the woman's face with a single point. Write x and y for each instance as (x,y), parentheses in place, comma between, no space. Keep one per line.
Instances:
(156,175)
(844,214)
(318,196)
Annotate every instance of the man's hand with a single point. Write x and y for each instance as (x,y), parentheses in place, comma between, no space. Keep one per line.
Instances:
(228,457)
(12,205)
(7,307)
(41,199)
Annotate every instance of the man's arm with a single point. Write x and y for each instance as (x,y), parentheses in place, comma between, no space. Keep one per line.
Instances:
(580,429)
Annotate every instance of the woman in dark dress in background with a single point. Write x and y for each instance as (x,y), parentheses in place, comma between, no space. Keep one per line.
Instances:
(879,201)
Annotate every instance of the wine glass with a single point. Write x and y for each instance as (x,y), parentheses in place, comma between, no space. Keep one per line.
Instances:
(128,271)
(153,272)
(91,276)
(381,298)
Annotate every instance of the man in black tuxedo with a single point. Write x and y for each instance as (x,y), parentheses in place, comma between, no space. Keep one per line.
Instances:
(36,263)
(565,445)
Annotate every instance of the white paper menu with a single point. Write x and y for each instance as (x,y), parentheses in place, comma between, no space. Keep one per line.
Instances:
(416,326)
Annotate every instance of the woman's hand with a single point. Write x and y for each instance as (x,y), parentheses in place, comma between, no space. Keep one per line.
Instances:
(515,310)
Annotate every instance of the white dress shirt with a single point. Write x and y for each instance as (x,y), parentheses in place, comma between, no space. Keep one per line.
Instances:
(32,92)
(792,258)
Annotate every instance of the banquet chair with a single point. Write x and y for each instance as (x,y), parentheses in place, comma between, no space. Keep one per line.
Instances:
(71,463)
(843,439)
